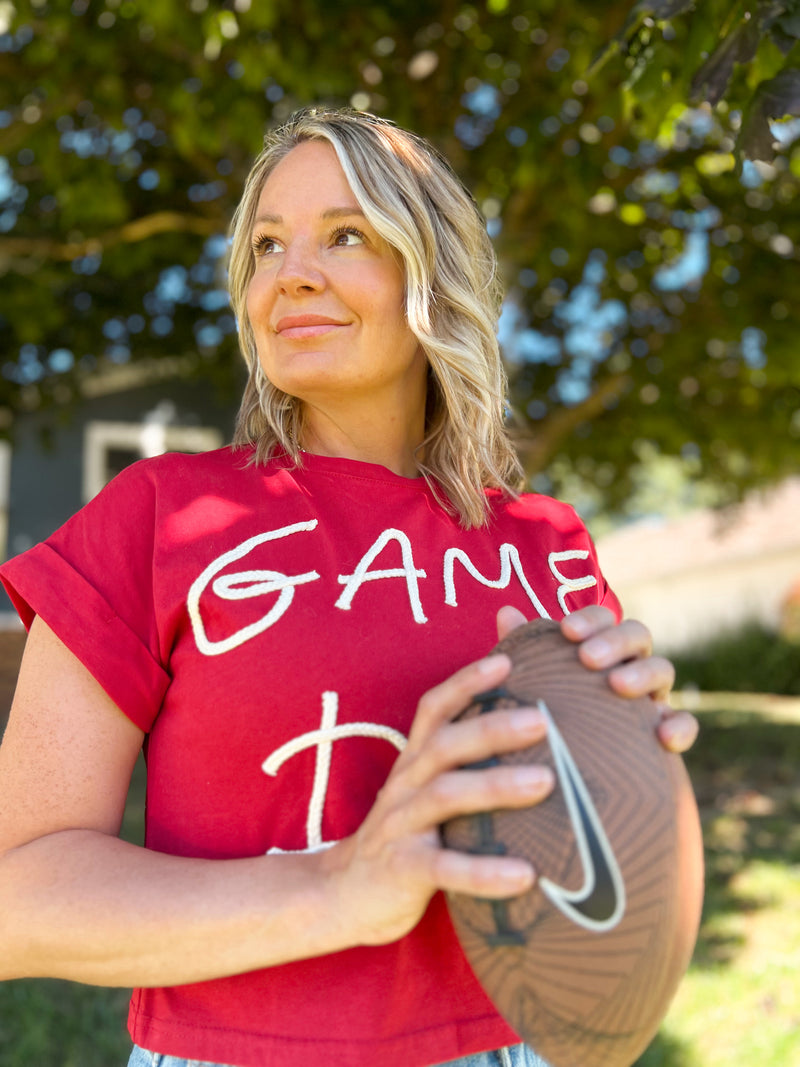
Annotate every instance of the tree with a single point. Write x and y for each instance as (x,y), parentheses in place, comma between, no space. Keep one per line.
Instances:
(645,310)
(741,54)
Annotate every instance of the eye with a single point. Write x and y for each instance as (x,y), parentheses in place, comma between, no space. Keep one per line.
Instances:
(347,235)
(265,246)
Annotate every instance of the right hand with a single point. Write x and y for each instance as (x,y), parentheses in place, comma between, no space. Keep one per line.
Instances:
(385,874)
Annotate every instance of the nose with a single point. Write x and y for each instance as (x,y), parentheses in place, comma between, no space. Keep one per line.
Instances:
(299,270)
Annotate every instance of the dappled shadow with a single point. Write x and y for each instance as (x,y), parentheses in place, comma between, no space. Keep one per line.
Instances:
(746,774)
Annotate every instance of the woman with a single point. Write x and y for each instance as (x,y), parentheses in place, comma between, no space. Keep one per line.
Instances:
(289,626)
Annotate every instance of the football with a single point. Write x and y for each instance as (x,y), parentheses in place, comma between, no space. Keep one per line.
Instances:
(584,965)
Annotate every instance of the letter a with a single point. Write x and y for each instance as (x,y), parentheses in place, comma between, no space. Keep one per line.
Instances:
(362,573)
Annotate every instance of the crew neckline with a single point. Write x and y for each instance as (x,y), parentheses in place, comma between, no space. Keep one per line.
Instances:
(354,468)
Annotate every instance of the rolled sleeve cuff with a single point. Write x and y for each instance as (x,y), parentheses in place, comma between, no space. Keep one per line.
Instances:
(43,583)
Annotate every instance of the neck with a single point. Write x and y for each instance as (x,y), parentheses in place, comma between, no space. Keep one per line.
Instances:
(393,445)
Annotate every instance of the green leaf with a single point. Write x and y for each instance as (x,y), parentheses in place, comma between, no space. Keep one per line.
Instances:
(197,120)
(774,99)
(658,10)
(739,47)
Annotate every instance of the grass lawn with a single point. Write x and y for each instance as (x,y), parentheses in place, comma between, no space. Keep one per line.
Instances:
(739,1003)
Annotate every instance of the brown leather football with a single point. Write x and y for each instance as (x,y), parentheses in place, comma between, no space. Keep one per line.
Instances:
(583,966)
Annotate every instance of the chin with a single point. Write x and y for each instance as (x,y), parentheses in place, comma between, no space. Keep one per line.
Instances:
(304,370)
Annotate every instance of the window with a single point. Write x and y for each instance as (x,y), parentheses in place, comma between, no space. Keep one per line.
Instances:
(109,447)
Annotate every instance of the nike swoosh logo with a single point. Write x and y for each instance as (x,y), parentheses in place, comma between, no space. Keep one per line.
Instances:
(599,904)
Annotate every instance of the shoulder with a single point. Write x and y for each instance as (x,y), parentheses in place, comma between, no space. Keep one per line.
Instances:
(177,474)
(129,506)
(170,466)
(534,508)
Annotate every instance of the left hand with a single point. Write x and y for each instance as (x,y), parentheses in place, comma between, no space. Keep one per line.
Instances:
(626,648)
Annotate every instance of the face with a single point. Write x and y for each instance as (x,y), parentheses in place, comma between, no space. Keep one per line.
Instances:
(326,301)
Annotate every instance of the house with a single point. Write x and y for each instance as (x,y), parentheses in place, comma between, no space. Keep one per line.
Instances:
(51,468)
(692,577)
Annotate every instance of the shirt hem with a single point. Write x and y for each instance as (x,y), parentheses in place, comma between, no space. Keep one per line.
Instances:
(435,1044)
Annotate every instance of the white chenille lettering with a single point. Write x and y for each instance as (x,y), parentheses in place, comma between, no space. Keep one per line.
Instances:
(353,582)
(569,585)
(244,585)
(322,739)
(509,560)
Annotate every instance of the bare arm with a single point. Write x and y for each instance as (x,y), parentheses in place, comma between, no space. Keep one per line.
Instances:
(78,903)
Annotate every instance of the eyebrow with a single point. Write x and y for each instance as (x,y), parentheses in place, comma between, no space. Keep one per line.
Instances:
(329,213)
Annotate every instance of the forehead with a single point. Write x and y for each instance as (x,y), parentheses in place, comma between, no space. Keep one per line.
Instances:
(310,176)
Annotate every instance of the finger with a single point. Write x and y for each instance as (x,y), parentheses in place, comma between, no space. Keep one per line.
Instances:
(467,792)
(580,625)
(470,741)
(677,730)
(508,619)
(414,815)
(446,700)
(495,878)
(653,677)
(616,644)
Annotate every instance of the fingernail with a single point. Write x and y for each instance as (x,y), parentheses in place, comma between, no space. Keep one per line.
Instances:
(532,776)
(597,649)
(631,675)
(578,625)
(527,720)
(516,872)
(680,734)
(490,664)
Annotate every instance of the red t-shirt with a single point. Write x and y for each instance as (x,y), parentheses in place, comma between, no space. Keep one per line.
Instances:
(272,629)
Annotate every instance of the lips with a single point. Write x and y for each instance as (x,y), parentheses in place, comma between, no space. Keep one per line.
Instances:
(300,326)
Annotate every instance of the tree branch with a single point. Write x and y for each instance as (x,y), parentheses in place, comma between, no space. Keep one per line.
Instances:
(536,450)
(140,229)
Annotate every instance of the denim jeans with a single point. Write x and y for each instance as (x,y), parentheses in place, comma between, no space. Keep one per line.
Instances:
(513,1056)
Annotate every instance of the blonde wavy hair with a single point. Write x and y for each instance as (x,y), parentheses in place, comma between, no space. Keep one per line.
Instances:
(412,198)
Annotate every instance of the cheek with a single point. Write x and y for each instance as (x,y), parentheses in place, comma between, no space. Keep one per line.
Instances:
(258,314)
(388,299)
(256,302)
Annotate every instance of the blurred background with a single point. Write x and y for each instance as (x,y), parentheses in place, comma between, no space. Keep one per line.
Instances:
(638,167)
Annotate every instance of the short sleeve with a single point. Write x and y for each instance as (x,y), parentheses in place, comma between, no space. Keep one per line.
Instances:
(609,599)
(601,592)
(92,583)
(606,597)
